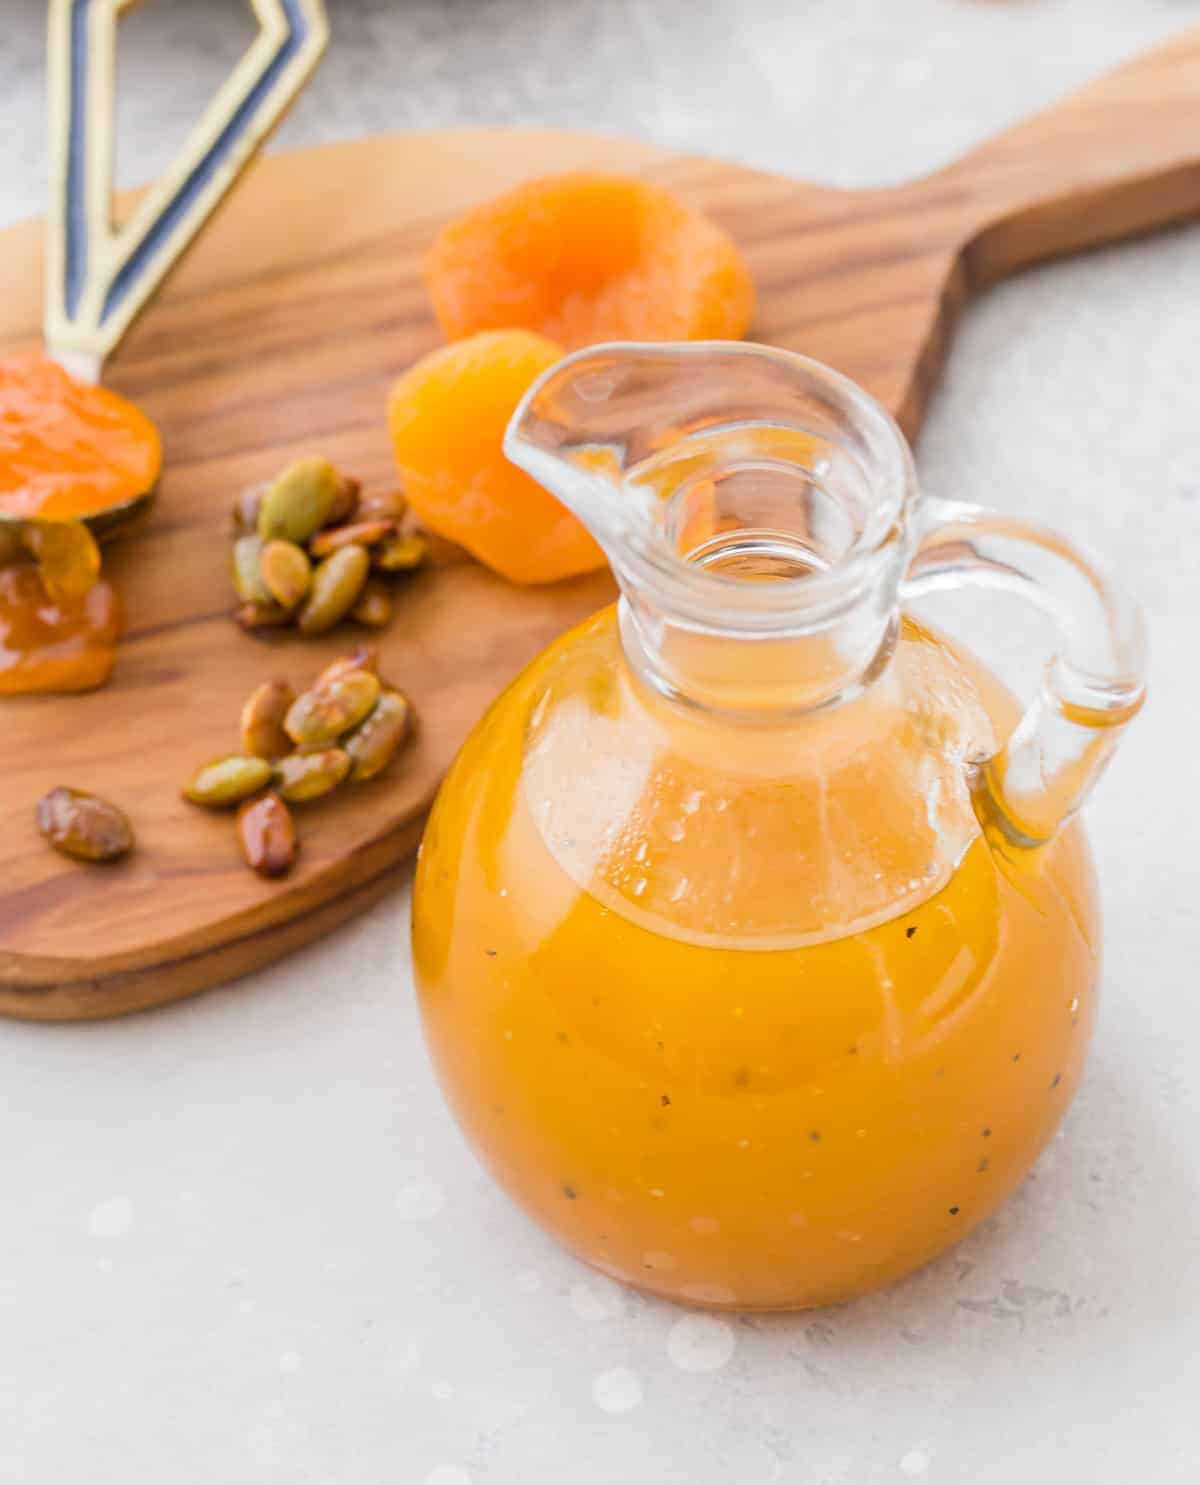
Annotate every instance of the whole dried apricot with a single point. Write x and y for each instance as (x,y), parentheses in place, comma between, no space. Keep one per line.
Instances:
(447,416)
(587,257)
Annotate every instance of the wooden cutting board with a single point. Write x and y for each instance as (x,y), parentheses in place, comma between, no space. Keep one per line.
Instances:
(280,336)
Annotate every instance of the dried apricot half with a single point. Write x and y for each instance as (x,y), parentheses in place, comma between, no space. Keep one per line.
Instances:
(447,416)
(69,449)
(588,257)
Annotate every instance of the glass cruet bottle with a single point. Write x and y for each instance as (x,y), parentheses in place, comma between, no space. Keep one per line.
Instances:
(755,937)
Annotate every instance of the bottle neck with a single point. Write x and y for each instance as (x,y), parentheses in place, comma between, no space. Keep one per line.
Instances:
(762,677)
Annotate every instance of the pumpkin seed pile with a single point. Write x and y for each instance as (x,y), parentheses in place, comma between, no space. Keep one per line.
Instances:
(311,549)
(348,725)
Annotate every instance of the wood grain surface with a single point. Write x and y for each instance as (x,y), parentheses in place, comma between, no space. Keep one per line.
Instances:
(281,334)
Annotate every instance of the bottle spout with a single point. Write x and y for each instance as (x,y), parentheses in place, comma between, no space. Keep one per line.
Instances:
(573,430)
(753,506)
(674,445)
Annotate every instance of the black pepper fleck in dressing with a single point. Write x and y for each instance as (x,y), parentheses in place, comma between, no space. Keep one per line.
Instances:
(570,1193)
(910,931)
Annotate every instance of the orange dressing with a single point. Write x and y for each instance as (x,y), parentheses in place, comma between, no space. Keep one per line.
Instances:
(48,645)
(67,448)
(704,1114)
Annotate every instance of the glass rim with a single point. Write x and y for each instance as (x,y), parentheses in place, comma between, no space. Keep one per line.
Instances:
(715,601)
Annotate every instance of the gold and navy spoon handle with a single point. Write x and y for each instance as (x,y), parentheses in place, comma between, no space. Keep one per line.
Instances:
(100,276)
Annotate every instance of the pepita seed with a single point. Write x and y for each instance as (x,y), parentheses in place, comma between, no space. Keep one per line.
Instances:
(262,616)
(323,714)
(303,776)
(375,607)
(267,836)
(336,585)
(364,657)
(345,502)
(246,507)
(298,503)
(227,781)
(262,721)
(247,574)
(382,505)
(373,745)
(285,571)
(365,533)
(401,553)
(84,826)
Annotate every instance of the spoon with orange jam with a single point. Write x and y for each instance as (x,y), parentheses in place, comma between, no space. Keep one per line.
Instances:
(71,451)
(77,462)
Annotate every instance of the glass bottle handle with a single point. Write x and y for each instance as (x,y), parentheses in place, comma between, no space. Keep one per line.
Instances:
(1092,687)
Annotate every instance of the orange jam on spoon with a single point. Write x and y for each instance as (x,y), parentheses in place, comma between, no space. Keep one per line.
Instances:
(69,453)
(69,449)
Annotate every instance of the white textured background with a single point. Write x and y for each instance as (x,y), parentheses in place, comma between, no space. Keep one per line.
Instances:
(242,1242)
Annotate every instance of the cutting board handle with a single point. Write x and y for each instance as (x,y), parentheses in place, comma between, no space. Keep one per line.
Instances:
(1120,156)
